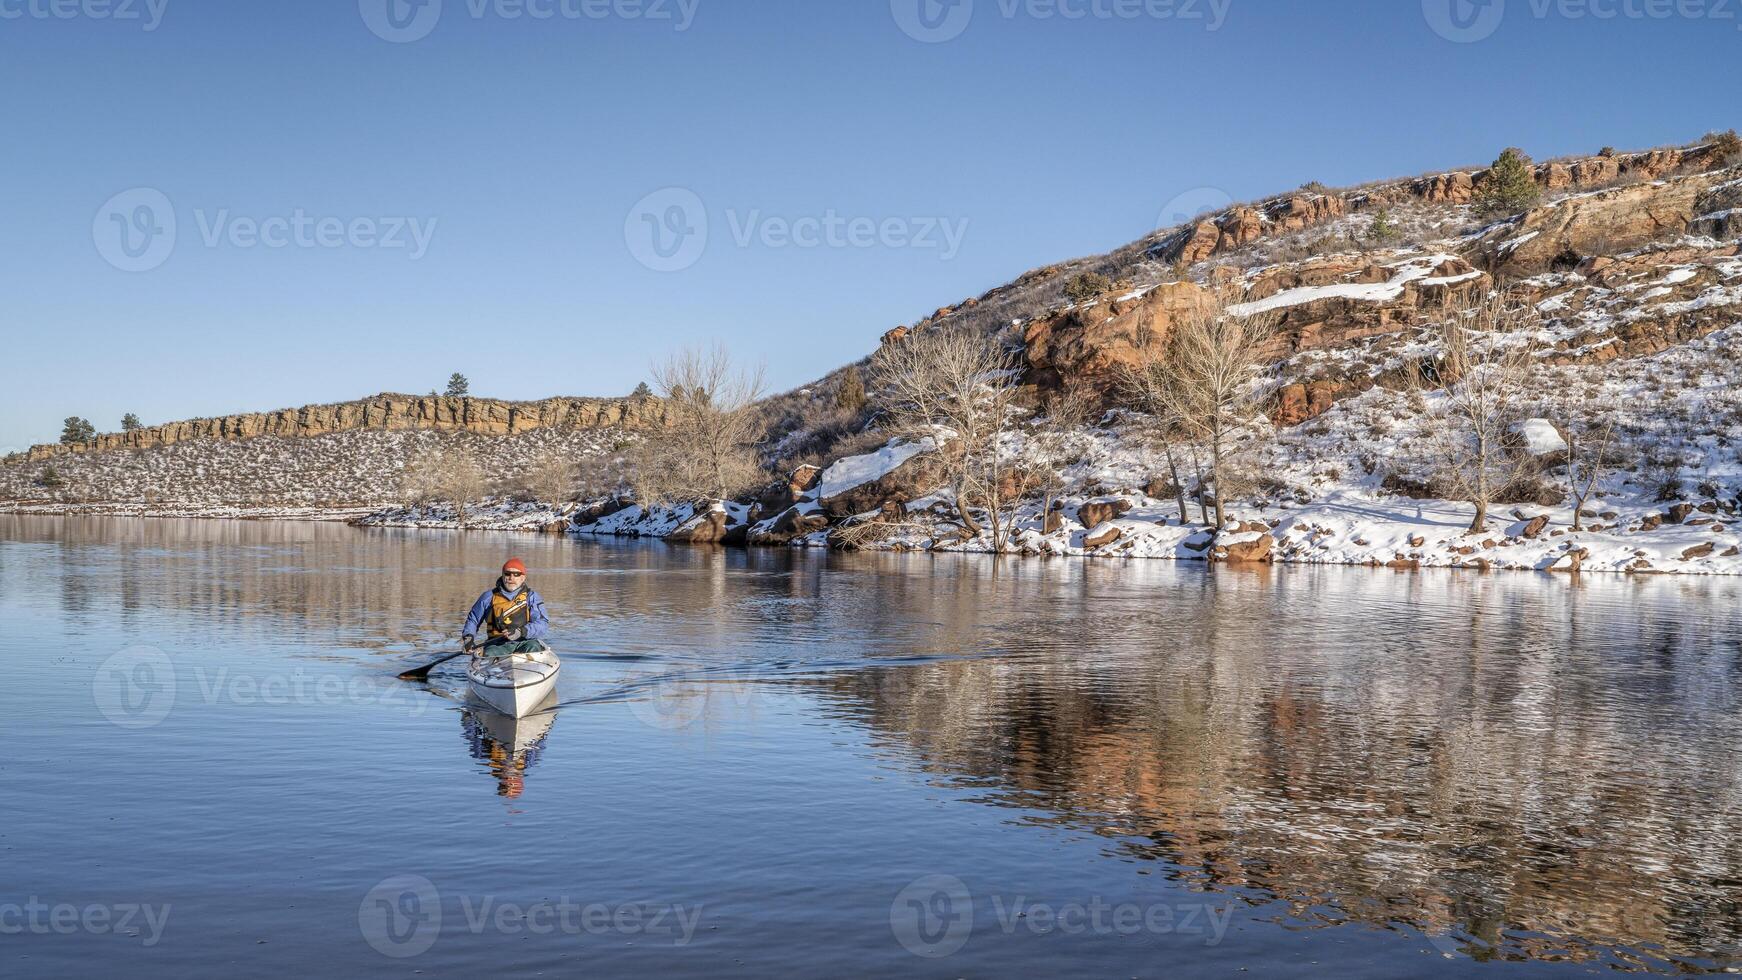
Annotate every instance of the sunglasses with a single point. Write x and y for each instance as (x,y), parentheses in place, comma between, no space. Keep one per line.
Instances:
(513,574)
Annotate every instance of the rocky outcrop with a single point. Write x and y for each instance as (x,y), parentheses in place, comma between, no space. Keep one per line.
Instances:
(1089,343)
(484,416)
(1604,223)
(1244,224)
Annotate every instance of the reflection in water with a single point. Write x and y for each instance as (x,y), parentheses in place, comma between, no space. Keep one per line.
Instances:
(1521,769)
(508,747)
(1525,766)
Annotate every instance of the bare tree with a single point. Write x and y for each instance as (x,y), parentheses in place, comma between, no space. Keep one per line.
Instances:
(552,478)
(957,387)
(1146,386)
(707,449)
(447,473)
(1057,441)
(1486,360)
(1587,461)
(1205,382)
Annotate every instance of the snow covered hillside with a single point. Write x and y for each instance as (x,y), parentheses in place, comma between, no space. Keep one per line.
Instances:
(335,476)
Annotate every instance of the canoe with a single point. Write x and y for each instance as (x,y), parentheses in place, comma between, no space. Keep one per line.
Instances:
(514,685)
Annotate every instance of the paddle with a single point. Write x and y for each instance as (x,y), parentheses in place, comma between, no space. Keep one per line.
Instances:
(422,673)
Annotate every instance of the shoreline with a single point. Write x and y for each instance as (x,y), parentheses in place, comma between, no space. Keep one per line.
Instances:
(1344,530)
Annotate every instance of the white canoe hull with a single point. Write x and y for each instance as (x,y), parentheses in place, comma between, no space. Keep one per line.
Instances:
(515,685)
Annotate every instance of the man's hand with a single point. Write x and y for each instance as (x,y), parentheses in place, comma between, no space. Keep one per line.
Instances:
(515,636)
(468,643)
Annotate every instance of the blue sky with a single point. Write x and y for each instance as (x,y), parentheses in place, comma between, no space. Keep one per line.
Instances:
(522,151)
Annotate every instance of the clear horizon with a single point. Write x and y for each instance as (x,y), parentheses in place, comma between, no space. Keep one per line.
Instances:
(219,208)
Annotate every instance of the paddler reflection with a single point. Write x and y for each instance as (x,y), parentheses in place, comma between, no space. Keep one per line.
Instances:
(508,747)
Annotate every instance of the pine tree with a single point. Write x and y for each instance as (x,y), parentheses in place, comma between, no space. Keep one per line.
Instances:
(129,422)
(1383,230)
(1509,187)
(458,386)
(77,430)
(50,477)
(850,394)
(641,391)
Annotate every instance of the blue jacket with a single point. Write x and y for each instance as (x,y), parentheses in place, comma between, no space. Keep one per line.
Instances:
(537,623)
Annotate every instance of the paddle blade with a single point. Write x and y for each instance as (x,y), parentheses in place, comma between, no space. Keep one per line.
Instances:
(422,673)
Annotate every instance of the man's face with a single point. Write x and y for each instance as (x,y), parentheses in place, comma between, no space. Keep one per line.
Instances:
(513,579)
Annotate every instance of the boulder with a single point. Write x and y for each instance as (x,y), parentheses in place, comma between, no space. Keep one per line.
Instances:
(904,472)
(1102,538)
(1097,512)
(790,524)
(1535,526)
(709,527)
(1699,551)
(1245,548)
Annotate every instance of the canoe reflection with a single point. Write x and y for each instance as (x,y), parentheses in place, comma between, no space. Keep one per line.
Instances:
(508,747)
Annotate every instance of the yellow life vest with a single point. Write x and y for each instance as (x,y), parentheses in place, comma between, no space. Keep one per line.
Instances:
(508,614)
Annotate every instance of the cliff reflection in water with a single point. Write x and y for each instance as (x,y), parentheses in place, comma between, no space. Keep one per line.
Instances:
(1528,766)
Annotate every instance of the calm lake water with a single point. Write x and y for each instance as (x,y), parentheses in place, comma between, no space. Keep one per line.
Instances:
(772,763)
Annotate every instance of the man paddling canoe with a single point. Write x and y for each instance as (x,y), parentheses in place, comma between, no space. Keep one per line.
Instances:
(512,615)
